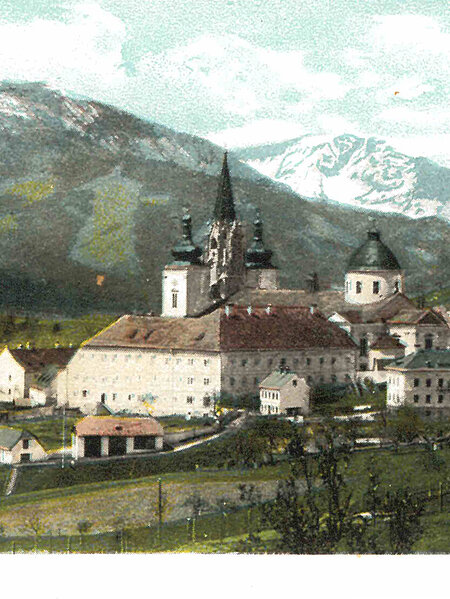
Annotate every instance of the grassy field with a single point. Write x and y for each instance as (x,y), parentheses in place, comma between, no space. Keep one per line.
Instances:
(174,424)
(132,503)
(45,333)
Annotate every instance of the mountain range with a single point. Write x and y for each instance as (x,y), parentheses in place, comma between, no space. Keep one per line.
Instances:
(354,171)
(91,200)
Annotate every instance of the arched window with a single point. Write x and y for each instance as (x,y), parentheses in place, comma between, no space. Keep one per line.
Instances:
(397,286)
(428,341)
(358,287)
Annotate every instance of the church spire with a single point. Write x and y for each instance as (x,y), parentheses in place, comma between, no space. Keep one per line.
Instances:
(257,256)
(224,208)
(185,252)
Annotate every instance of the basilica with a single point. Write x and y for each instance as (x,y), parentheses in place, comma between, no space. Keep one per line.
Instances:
(225,326)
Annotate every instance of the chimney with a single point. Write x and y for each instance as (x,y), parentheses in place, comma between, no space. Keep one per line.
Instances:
(269,309)
(249,310)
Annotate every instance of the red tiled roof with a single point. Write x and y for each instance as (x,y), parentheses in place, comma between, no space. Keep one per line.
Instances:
(387,342)
(287,327)
(416,316)
(37,359)
(118,427)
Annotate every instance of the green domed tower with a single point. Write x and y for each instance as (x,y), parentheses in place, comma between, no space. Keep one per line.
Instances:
(373,272)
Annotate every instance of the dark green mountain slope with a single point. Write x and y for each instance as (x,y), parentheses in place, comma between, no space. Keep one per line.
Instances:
(87,190)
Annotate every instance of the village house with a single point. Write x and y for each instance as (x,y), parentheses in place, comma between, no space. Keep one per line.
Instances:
(101,436)
(420,380)
(19,446)
(284,392)
(30,376)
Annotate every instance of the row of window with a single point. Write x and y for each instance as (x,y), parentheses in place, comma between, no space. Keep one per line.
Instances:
(429,382)
(266,409)
(190,381)
(417,399)
(206,401)
(309,379)
(138,356)
(283,362)
(270,394)
(376,286)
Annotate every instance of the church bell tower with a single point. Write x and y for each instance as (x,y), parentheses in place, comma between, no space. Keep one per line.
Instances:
(225,248)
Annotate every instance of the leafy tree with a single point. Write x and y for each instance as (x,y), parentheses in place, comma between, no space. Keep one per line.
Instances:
(316,521)
(249,449)
(274,432)
(251,497)
(405,426)
(404,511)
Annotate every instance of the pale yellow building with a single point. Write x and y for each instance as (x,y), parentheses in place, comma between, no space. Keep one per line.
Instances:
(19,446)
(284,392)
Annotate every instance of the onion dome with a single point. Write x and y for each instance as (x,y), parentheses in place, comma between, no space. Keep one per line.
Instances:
(185,252)
(257,256)
(373,254)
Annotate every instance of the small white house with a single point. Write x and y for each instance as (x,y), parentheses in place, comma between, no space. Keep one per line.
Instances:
(17,445)
(284,392)
(421,380)
(31,374)
(101,436)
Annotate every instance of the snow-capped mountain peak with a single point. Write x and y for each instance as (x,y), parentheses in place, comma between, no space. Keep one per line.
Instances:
(365,173)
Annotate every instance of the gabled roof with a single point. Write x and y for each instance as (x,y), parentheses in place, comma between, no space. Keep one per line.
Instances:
(112,426)
(424,359)
(278,379)
(417,316)
(227,329)
(9,437)
(36,360)
(387,342)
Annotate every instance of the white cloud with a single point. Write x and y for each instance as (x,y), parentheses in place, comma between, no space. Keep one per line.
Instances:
(410,32)
(335,124)
(434,147)
(83,53)
(404,88)
(239,77)
(257,132)
(403,114)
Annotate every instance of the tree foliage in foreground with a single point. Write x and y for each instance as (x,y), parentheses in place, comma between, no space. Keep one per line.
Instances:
(314,511)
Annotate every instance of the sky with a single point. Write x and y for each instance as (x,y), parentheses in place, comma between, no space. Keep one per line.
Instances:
(244,72)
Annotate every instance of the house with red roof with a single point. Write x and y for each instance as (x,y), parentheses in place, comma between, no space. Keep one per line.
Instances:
(102,436)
